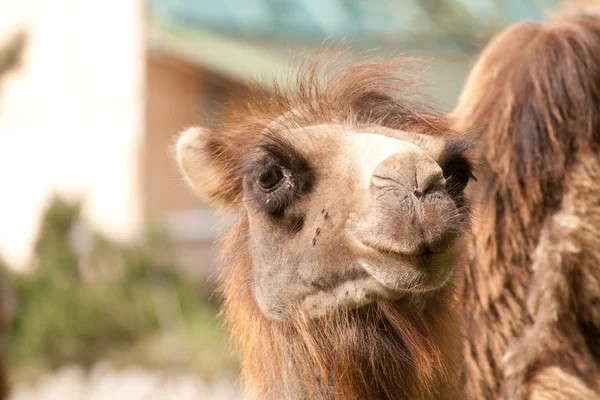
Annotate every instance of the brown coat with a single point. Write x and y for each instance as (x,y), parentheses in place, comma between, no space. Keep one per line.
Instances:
(532,289)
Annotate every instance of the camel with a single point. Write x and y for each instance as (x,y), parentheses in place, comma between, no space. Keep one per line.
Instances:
(340,276)
(531,291)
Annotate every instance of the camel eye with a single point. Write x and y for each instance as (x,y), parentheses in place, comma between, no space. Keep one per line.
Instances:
(461,177)
(458,170)
(269,179)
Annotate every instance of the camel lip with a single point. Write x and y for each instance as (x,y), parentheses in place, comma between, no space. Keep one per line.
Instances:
(420,255)
(400,273)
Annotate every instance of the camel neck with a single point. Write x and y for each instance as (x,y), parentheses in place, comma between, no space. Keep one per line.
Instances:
(414,359)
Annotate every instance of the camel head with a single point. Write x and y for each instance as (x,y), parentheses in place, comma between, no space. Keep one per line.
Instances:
(345,195)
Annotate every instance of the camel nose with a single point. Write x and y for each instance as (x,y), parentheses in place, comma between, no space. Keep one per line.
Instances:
(412,169)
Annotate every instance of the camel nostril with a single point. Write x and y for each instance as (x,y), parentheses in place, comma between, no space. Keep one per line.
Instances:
(430,185)
(384,182)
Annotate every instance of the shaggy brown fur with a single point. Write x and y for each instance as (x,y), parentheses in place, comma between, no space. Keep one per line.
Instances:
(381,351)
(532,290)
(407,349)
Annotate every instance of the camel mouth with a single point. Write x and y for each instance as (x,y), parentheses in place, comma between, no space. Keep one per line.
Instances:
(421,255)
(388,275)
(401,272)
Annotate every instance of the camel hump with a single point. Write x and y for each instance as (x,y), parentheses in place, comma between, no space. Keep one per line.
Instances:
(535,92)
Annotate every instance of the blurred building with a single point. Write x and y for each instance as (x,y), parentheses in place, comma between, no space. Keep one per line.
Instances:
(180,93)
(107,85)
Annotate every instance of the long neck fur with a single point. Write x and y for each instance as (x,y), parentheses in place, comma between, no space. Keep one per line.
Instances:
(409,349)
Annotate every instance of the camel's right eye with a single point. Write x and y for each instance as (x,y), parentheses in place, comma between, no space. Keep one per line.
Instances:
(270,179)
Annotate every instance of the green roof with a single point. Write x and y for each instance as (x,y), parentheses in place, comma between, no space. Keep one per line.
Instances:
(364,22)
(229,57)
(255,39)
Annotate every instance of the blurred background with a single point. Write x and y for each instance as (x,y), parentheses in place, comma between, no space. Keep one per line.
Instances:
(106,257)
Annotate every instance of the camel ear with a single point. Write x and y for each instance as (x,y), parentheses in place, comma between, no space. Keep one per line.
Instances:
(198,153)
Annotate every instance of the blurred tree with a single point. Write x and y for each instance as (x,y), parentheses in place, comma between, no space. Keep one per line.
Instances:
(10,58)
(11,53)
(465,22)
(457,22)
(100,300)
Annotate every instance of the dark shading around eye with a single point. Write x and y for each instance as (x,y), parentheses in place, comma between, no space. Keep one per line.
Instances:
(460,177)
(277,176)
(288,159)
(459,172)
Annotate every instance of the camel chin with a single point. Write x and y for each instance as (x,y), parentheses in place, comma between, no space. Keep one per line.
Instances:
(387,274)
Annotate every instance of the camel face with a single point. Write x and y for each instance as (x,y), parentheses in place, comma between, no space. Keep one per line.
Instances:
(339,216)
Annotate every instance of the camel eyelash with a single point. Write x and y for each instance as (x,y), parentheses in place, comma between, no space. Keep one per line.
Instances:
(454,160)
(460,164)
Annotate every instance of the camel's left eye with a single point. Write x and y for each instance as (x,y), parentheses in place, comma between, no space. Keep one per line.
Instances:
(269,179)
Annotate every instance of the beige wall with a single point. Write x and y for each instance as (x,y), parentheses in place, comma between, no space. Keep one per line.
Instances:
(91,115)
(71,120)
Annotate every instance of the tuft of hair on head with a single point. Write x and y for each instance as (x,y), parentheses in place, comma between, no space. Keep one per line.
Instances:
(331,87)
(336,85)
